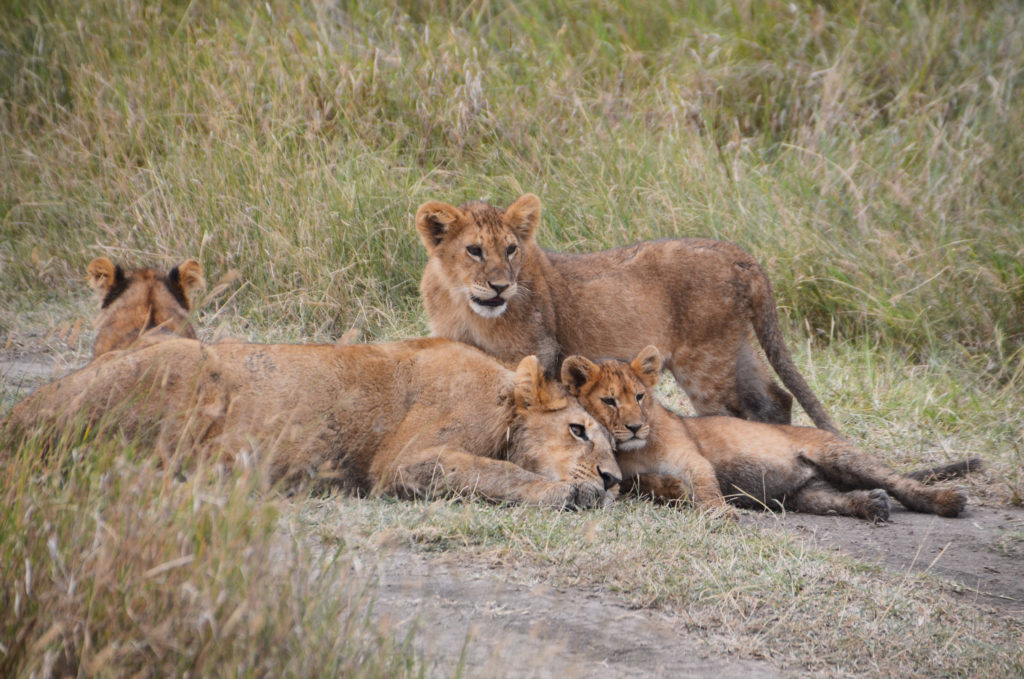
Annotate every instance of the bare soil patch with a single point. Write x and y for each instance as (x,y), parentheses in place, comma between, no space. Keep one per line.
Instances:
(981,553)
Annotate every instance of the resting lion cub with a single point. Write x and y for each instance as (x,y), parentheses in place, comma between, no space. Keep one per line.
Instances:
(410,418)
(489,284)
(751,463)
(143,305)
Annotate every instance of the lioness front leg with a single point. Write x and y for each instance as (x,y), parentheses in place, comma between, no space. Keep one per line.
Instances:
(442,470)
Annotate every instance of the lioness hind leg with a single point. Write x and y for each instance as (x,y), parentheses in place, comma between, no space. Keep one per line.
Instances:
(818,497)
(846,466)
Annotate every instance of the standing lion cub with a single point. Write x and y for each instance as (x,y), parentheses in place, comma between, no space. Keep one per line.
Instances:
(489,284)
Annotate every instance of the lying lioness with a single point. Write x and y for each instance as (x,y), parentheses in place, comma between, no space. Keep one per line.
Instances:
(142,305)
(712,459)
(409,418)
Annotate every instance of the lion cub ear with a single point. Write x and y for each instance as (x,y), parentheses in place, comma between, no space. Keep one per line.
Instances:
(647,365)
(576,372)
(534,390)
(189,275)
(434,221)
(523,216)
(102,275)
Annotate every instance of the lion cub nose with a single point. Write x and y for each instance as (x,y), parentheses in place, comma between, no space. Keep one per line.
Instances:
(498,288)
(608,478)
(634,427)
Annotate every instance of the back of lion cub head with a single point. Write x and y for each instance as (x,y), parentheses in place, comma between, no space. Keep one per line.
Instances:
(137,302)
(480,247)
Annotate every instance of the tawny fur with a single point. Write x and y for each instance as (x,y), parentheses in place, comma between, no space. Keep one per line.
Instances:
(706,459)
(408,418)
(489,284)
(144,305)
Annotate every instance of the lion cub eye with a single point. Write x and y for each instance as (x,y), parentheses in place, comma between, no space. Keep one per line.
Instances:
(511,250)
(578,431)
(640,397)
(475,250)
(609,401)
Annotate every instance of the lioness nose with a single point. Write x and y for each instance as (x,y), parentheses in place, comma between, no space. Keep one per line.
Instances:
(608,478)
(634,427)
(498,288)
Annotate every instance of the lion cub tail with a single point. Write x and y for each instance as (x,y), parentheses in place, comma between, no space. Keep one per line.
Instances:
(947,471)
(766,327)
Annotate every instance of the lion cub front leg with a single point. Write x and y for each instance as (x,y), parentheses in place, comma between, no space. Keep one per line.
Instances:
(446,470)
(683,476)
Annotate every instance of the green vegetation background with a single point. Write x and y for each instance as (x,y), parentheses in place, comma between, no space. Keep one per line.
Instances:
(870,154)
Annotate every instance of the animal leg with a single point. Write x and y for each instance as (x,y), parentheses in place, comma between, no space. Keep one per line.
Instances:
(443,470)
(846,466)
(818,497)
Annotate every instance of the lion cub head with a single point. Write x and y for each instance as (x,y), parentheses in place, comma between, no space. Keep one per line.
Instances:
(555,436)
(617,393)
(141,301)
(480,248)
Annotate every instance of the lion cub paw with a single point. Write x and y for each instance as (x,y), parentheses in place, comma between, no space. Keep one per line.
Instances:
(951,501)
(877,506)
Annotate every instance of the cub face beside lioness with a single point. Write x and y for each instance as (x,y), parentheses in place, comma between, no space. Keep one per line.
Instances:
(407,418)
(749,463)
(489,284)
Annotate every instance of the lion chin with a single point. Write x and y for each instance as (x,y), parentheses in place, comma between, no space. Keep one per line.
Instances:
(631,444)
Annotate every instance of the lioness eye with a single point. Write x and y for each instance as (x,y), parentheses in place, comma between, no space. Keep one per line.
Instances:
(510,250)
(579,431)
(608,400)
(640,398)
(475,250)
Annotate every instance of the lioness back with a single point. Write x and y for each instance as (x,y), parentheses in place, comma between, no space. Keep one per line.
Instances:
(489,284)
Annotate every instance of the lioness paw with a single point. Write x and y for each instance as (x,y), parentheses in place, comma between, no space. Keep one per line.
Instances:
(577,496)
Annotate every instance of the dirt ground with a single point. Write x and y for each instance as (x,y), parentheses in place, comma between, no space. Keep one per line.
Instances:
(495,628)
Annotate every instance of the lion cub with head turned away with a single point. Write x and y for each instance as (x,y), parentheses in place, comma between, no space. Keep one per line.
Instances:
(489,284)
(708,460)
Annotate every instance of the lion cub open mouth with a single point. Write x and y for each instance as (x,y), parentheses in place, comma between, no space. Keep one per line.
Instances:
(495,301)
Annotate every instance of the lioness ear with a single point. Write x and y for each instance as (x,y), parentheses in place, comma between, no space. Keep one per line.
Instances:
(576,372)
(188,276)
(647,365)
(102,275)
(434,221)
(523,216)
(534,390)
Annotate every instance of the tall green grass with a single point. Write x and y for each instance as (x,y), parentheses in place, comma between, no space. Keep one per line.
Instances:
(870,154)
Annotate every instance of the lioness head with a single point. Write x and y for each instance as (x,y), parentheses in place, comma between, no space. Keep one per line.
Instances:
(142,300)
(616,393)
(481,248)
(555,436)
